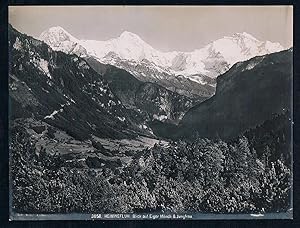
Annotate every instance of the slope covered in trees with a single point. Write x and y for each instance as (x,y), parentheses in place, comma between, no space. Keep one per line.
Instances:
(62,90)
(200,175)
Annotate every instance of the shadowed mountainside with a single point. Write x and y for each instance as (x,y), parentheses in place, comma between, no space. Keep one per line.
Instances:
(246,95)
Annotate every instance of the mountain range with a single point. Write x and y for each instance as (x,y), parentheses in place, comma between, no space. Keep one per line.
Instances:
(189,73)
(85,97)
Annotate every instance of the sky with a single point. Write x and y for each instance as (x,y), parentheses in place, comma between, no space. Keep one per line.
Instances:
(166,28)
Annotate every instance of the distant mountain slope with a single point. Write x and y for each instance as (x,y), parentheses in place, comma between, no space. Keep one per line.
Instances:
(147,72)
(184,72)
(150,100)
(246,95)
(64,91)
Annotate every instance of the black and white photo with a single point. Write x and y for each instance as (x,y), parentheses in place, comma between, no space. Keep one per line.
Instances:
(150,112)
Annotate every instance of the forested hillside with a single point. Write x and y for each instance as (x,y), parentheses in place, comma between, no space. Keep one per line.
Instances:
(200,175)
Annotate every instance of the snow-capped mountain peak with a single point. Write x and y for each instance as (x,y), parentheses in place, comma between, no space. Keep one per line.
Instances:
(129,36)
(56,34)
(240,47)
(244,35)
(61,40)
(130,46)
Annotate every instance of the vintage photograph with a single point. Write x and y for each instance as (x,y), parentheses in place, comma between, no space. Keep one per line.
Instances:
(150,112)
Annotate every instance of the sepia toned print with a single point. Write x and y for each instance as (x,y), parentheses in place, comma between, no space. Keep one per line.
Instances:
(150,112)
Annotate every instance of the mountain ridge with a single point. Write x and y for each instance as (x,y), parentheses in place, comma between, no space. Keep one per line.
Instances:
(248,94)
(130,46)
(188,73)
(64,91)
